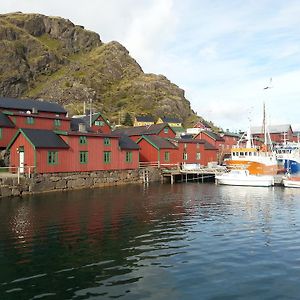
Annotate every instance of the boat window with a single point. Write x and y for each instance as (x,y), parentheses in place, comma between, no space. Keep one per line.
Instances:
(250,153)
(241,153)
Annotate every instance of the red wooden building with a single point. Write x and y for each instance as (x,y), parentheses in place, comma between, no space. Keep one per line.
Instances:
(175,151)
(157,149)
(27,113)
(49,152)
(197,151)
(278,133)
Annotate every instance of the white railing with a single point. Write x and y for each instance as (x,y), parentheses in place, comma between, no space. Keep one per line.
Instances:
(18,171)
(157,164)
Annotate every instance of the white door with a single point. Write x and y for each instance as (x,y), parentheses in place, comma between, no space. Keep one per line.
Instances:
(21,159)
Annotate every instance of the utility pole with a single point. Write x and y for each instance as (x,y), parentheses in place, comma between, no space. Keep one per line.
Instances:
(91,112)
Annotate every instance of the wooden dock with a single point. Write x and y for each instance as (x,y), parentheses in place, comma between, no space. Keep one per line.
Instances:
(202,174)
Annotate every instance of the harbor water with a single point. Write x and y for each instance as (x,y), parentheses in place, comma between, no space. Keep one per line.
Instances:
(181,241)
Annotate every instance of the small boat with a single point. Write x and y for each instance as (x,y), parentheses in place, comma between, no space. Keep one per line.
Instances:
(244,178)
(291,181)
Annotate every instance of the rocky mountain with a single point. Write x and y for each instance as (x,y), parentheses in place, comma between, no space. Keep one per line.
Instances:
(50,58)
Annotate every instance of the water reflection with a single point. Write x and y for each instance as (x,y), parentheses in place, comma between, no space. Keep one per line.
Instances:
(140,242)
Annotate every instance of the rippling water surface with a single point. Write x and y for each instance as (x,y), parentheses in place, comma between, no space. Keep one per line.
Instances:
(186,241)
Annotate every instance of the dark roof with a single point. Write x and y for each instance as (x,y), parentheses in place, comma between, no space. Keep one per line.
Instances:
(29,104)
(188,140)
(144,119)
(75,124)
(126,143)
(41,138)
(159,142)
(5,121)
(187,136)
(171,120)
(271,129)
(214,136)
(142,130)
(232,134)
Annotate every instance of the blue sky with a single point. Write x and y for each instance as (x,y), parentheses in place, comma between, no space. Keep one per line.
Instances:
(222,53)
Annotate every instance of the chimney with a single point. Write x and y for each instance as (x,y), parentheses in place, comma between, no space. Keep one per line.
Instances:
(34,110)
(82,127)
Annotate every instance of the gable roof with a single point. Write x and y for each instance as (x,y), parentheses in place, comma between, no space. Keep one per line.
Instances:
(5,121)
(126,143)
(29,104)
(144,119)
(41,138)
(208,146)
(171,120)
(203,122)
(143,130)
(95,116)
(212,135)
(271,129)
(158,142)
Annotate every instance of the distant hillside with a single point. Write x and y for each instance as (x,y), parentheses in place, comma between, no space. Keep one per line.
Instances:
(51,58)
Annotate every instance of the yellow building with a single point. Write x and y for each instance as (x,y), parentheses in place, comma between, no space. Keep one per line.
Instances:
(173,122)
(143,121)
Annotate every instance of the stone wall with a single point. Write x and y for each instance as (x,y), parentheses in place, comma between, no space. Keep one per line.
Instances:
(40,183)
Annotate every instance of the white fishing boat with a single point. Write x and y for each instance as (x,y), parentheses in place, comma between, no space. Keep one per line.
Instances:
(291,181)
(244,178)
(257,160)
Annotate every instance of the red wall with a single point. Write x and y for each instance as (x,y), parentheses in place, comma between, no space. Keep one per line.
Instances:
(126,165)
(104,129)
(148,153)
(28,153)
(7,134)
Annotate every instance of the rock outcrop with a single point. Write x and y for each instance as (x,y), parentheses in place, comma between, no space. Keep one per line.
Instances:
(51,58)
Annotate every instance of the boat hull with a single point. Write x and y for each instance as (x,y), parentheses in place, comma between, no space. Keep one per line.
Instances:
(247,182)
(295,182)
(243,178)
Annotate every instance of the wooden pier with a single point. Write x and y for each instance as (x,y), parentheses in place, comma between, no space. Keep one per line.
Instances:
(202,174)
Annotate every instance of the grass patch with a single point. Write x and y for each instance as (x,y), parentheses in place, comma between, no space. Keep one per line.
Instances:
(49,42)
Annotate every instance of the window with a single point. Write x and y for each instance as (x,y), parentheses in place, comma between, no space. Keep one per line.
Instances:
(99,123)
(52,157)
(166,130)
(83,157)
(106,141)
(167,156)
(107,157)
(197,146)
(82,140)
(185,145)
(30,120)
(57,123)
(128,158)
(198,156)
(185,156)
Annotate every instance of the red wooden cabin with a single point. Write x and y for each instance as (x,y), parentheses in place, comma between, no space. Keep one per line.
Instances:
(157,149)
(50,152)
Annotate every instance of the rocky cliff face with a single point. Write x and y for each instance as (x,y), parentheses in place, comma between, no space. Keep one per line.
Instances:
(51,58)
